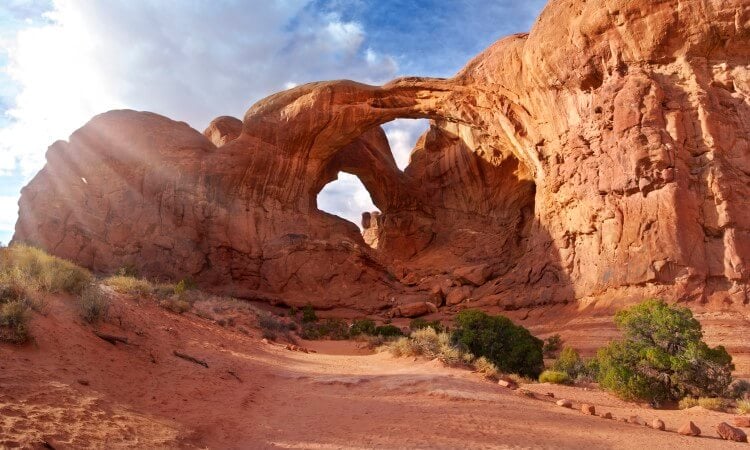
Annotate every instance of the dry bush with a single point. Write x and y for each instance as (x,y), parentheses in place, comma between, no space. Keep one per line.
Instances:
(486,368)
(93,304)
(176,305)
(42,272)
(743,406)
(430,344)
(271,325)
(14,322)
(710,403)
(129,285)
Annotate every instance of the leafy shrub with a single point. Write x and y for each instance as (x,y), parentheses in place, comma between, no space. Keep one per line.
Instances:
(335,329)
(308,314)
(743,406)
(510,347)
(419,323)
(739,389)
(362,326)
(129,285)
(93,304)
(554,376)
(571,363)
(662,356)
(14,322)
(552,345)
(388,331)
(486,368)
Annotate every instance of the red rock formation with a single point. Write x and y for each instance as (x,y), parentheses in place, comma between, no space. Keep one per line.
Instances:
(604,155)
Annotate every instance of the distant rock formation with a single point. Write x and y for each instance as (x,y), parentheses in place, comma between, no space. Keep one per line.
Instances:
(603,156)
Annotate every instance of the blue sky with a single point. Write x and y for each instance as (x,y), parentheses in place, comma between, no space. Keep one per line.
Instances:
(63,61)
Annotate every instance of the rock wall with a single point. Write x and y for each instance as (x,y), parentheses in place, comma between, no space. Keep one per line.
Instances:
(604,156)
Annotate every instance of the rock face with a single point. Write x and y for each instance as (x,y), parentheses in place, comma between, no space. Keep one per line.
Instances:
(730,433)
(604,155)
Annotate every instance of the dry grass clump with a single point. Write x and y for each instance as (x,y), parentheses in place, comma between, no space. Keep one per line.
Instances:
(430,344)
(125,284)
(485,367)
(35,270)
(710,403)
(272,325)
(176,304)
(743,406)
(93,304)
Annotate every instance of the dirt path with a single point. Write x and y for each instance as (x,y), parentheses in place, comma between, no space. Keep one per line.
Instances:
(74,390)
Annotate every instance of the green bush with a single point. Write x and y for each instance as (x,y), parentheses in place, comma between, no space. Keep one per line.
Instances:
(554,376)
(510,347)
(418,324)
(308,314)
(739,389)
(571,363)
(93,304)
(334,329)
(662,356)
(362,326)
(388,331)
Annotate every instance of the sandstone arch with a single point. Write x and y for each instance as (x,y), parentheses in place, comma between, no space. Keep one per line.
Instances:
(602,156)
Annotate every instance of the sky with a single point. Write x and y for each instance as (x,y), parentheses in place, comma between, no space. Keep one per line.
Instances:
(64,61)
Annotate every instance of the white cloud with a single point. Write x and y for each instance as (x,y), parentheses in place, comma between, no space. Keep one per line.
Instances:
(190,61)
(346,198)
(402,135)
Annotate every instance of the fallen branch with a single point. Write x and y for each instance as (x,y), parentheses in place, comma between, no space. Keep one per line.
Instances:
(191,359)
(234,375)
(112,339)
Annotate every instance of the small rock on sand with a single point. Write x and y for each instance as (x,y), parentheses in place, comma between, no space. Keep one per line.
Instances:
(730,433)
(658,424)
(589,410)
(634,419)
(607,415)
(689,429)
(507,383)
(564,403)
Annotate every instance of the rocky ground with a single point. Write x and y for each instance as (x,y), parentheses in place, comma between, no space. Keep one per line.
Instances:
(72,389)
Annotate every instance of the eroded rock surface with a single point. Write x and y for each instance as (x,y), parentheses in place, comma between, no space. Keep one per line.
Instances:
(604,155)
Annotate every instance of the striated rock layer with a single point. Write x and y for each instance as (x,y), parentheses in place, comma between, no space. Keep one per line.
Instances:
(603,156)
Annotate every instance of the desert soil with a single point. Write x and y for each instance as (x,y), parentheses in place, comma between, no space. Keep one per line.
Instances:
(70,389)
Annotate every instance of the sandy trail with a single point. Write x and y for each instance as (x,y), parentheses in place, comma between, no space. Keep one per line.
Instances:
(74,390)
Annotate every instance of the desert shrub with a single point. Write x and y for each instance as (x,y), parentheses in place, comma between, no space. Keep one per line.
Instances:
(739,389)
(662,356)
(486,368)
(176,305)
(14,321)
(571,363)
(362,326)
(555,376)
(128,270)
(428,343)
(93,304)
(308,314)
(163,290)
(334,329)
(687,403)
(180,288)
(129,285)
(552,345)
(743,406)
(388,331)
(510,347)
(712,403)
(420,323)
(271,326)
(43,272)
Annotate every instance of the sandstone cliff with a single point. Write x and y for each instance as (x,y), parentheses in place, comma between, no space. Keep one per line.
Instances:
(603,156)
